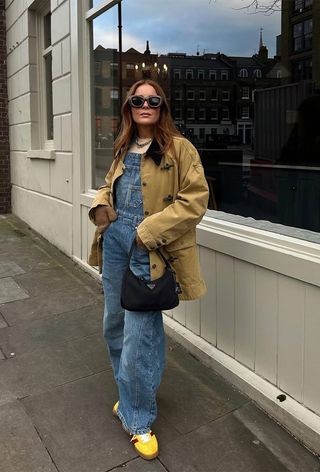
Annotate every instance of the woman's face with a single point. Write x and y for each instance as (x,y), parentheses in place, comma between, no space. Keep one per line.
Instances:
(145,117)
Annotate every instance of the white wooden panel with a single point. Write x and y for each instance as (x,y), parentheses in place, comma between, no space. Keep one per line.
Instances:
(66,57)
(291,336)
(266,324)
(56,61)
(312,349)
(225,303)
(57,132)
(50,217)
(61,177)
(20,109)
(18,32)
(193,316)
(20,137)
(179,313)
(61,91)
(39,175)
(208,302)
(60,22)
(22,82)
(15,9)
(244,312)
(19,169)
(66,125)
(84,233)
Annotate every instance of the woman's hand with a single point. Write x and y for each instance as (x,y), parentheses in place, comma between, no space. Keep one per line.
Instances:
(103,216)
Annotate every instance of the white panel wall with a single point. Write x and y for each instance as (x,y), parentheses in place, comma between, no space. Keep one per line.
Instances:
(267,321)
(42,183)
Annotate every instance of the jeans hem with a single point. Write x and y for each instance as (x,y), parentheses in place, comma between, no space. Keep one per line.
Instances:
(126,428)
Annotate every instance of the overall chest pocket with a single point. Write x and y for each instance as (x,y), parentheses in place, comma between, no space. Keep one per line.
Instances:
(134,196)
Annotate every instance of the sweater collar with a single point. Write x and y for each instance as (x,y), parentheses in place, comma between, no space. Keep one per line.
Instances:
(155,152)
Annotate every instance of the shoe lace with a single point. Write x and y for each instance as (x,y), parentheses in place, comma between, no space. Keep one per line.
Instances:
(144,438)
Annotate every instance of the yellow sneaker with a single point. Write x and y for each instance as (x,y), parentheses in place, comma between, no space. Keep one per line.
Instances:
(115,413)
(146,445)
(115,409)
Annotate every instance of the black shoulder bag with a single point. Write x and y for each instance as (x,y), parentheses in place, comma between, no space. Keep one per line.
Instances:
(138,294)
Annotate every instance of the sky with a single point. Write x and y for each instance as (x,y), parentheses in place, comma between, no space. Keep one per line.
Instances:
(188,26)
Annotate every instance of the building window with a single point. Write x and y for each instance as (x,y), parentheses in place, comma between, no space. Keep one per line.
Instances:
(224,75)
(177,74)
(257,73)
(225,95)
(178,94)
(177,114)
(189,74)
(202,95)
(201,133)
(190,94)
(201,74)
(302,70)
(225,114)
(300,5)
(243,73)
(245,92)
(214,94)
(114,94)
(302,35)
(245,113)
(190,113)
(202,113)
(212,74)
(214,113)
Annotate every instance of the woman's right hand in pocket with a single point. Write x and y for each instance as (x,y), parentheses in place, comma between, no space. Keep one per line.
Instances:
(104,215)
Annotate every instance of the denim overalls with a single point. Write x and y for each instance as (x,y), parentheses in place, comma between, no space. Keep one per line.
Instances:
(135,339)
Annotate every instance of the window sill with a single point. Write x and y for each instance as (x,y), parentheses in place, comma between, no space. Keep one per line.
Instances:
(47,154)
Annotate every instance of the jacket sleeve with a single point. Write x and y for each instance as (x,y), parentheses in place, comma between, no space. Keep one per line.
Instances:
(103,195)
(186,211)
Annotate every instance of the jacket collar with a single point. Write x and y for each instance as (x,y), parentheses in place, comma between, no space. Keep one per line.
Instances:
(155,152)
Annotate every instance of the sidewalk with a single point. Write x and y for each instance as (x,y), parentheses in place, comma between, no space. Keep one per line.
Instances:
(57,389)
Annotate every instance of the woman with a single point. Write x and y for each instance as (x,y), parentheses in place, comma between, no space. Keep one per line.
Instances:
(155,195)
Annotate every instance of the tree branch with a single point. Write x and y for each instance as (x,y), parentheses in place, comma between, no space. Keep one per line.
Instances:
(266,7)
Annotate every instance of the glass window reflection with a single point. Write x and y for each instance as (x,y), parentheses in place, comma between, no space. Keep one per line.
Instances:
(239,94)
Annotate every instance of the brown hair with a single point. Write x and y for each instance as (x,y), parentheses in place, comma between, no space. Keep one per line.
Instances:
(165,129)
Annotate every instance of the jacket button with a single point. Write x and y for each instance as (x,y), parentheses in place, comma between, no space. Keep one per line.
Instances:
(164,241)
(154,266)
(146,213)
(144,183)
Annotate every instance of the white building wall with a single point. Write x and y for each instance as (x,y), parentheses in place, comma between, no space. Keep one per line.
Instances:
(42,190)
(260,318)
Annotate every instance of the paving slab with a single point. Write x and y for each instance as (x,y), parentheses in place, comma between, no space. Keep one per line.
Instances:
(3,323)
(28,336)
(11,291)
(227,445)
(211,397)
(22,447)
(139,465)
(77,426)
(92,350)
(44,306)
(289,452)
(39,371)
(47,281)
(10,269)
(29,258)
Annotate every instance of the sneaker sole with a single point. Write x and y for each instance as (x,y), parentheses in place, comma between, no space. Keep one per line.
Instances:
(148,458)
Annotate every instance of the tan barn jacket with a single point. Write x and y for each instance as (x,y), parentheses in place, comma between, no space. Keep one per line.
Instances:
(175,198)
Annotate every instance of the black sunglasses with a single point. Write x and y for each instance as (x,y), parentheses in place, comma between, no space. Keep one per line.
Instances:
(137,101)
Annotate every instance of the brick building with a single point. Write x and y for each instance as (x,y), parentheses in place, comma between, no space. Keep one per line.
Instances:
(5,200)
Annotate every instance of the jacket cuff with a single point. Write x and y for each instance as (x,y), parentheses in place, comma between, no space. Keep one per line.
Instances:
(147,238)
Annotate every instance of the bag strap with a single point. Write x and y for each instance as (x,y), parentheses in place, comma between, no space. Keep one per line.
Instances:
(165,260)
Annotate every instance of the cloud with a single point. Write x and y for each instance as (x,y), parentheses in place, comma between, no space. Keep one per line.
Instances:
(191,25)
